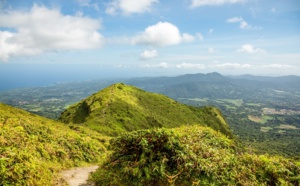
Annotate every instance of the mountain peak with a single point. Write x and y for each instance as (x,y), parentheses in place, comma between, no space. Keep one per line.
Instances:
(120,107)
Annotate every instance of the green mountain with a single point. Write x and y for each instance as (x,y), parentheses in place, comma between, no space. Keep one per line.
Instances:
(33,149)
(184,148)
(120,108)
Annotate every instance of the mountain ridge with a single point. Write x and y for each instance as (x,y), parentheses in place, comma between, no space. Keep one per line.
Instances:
(119,108)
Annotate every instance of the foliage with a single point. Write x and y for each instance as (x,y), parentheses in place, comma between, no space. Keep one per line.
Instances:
(34,149)
(120,108)
(189,155)
(239,98)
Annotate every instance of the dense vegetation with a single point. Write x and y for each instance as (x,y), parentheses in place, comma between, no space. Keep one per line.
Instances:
(34,149)
(202,151)
(241,99)
(120,108)
(189,155)
(259,127)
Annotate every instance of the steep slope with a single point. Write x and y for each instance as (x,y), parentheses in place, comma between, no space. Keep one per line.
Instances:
(119,108)
(34,149)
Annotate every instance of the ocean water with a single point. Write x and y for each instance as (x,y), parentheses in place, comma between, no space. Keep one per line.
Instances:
(19,76)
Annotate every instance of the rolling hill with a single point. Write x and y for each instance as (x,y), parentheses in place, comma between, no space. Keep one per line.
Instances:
(120,108)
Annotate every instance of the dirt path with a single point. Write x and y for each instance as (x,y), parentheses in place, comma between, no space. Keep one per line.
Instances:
(78,176)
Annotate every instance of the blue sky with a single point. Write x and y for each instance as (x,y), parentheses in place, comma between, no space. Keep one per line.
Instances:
(121,38)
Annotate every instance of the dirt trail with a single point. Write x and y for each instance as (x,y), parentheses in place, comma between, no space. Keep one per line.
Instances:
(78,176)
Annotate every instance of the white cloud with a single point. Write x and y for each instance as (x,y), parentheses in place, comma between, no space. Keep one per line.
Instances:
(162,34)
(164,65)
(129,6)
(42,29)
(197,3)
(277,66)
(234,19)
(231,66)
(87,3)
(160,65)
(6,49)
(147,54)
(250,49)
(187,37)
(243,24)
(190,66)
(178,66)
(210,31)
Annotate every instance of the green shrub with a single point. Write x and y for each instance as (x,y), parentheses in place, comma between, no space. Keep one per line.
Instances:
(34,149)
(153,157)
(189,155)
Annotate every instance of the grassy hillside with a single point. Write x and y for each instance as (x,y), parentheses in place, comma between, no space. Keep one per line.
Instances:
(119,108)
(34,149)
(189,155)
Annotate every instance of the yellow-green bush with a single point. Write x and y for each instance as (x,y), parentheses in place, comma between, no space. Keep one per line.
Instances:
(33,149)
(189,155)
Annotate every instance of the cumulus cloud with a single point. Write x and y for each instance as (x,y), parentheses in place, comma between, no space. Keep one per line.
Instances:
(147,54)
(41,29)
(250,49)
(197,3)
(243,24)
(129,6)
(162,34)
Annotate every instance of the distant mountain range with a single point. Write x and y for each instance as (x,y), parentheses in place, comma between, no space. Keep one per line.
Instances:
(215,85)
(189,86)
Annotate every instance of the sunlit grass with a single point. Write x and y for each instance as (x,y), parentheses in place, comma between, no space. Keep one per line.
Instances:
(34,149)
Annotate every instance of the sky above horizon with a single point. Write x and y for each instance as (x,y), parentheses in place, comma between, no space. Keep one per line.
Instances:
(89,39)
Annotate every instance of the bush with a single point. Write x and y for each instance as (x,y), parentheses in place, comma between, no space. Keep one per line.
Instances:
(34,149)
(189,156)
(154,157)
